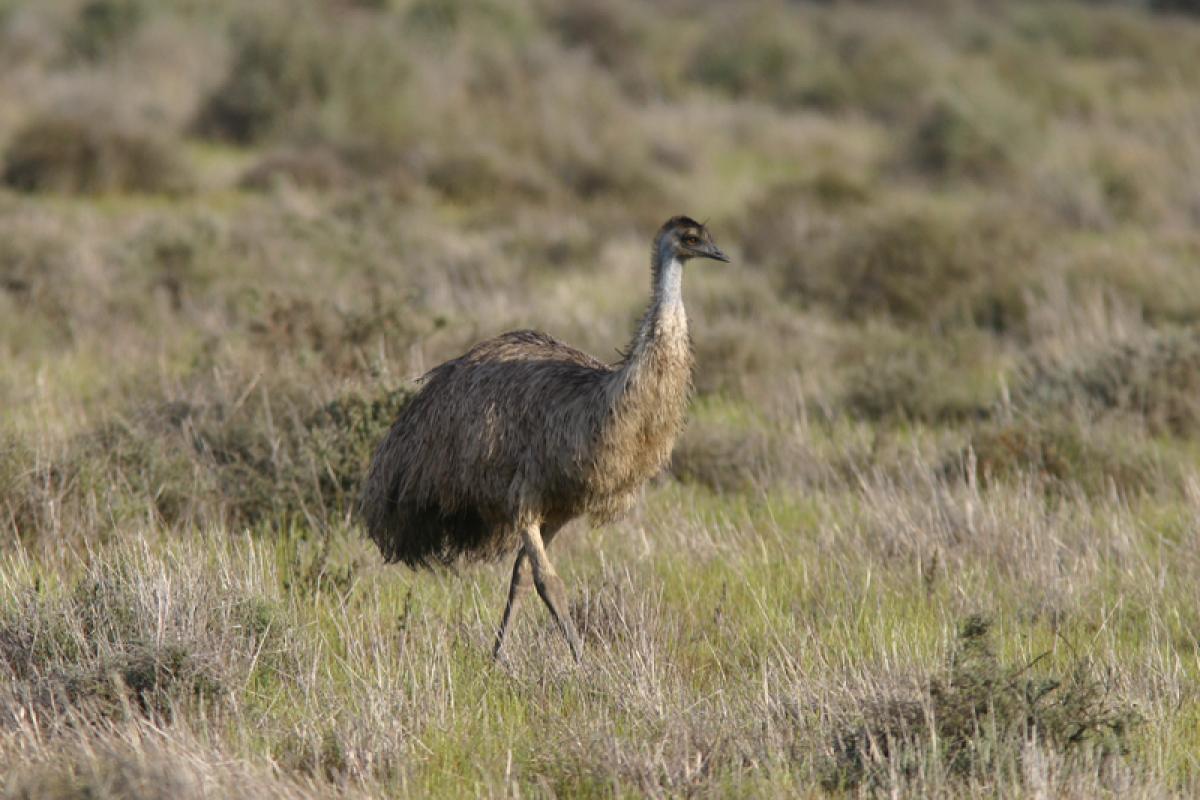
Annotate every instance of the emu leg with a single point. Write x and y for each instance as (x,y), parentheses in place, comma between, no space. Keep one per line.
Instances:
(551,587)
(522,582)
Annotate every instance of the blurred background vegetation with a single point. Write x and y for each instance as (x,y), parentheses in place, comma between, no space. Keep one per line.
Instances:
(966,242)
(938,207)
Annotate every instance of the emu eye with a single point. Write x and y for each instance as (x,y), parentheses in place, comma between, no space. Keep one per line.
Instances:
(691,240)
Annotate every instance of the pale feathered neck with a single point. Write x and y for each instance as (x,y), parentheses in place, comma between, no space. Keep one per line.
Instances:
(665,318)
(666,278)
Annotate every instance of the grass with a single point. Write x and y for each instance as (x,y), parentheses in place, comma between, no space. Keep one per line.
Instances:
(931,530)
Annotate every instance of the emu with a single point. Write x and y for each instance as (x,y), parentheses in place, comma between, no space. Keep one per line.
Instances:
(505,444)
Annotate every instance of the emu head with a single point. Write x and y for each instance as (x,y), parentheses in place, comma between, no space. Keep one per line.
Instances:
(683,238)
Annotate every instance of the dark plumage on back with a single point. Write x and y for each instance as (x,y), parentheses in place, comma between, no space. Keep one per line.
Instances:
(439,486)
(503,445)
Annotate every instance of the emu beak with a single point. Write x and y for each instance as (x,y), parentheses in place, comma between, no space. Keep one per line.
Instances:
(715,253)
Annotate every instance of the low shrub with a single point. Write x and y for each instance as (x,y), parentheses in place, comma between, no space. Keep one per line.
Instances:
(918,264)
(36,270)
(1154,379)
(616,36)
(977,717)
(728,448)
(780,224)
(186,462)
(1063,456)
(472,175)
(147,678)
(310,464)
(128,762)
(900,377)
(743,321)
(277,71)
(89,651)
(103,26)
(311,75)
(179,258)
(796,59)
(71,155)
(784,225)
(977,134)
(762,55)
(724,459)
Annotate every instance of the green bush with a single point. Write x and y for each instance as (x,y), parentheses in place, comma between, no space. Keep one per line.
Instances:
(277,73)
(70,155)
(616,36)
(174,257)
(810,59)
(725,459)
(313,75)
(978,714)
(1154,379)
(36,272)
(980,133)
(921,263)
(309,464)
(190,463)
(943,380)
(103,26)
(760,54)
(89,652)
(152,679)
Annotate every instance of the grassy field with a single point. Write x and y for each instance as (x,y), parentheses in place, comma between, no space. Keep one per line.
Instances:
(933,529)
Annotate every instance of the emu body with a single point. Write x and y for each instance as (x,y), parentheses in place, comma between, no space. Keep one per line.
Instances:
(504,445)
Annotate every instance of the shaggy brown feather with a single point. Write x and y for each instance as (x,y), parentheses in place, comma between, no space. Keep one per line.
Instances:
(525,429)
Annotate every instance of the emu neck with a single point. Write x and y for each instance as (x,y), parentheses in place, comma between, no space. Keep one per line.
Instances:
(660,354)
(665,321)
(667,283)
(647,395)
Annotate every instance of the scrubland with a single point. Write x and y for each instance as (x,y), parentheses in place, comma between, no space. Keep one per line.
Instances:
(933,528)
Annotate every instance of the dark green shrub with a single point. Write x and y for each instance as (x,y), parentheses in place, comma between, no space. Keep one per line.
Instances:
(19,507)
(1181,6)
(103,26)
(979,134)
(278,72)
(310,464)
(436,16)
(154,678)
(739,355)
(939,380)
(89,651)
(316,75)
(977,716)
(835,189)
(918,264)
(70,155)
(187,463)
